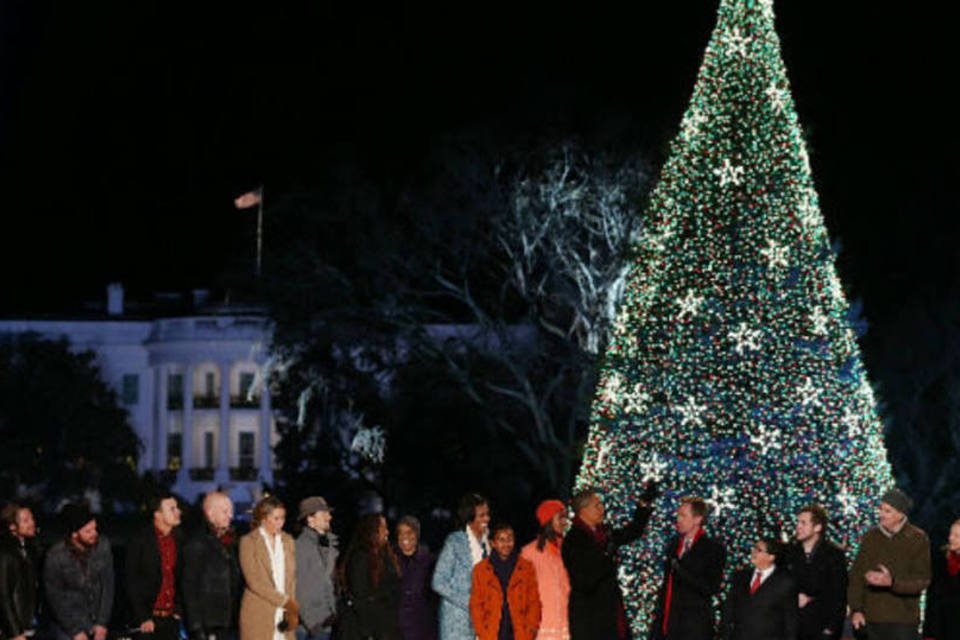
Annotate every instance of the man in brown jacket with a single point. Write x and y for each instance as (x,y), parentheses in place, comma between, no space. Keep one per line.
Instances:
(889,574)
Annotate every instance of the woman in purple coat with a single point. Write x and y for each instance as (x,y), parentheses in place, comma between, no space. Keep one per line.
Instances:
(418,607)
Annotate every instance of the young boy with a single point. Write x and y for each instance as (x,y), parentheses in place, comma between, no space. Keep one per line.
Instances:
(504,599)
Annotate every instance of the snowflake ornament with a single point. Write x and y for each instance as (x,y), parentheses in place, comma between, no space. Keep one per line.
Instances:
(851,421)
(605,449)
(652,469)
(737,43)
(809,393)
(848,502)
(766,439)
(689,305)
(692,124)
(818,322)
(745,338)
(776,254)
(611,388)
(691,411)
(721,499)
(778,97)
(807,213)
(636,401)
(729,173)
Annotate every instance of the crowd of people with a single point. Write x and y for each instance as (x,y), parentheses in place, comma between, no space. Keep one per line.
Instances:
(266,585)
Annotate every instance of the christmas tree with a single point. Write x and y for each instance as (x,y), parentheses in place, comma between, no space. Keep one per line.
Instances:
(734,372)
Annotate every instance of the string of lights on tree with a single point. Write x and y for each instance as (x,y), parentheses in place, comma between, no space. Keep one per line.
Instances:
(733,371)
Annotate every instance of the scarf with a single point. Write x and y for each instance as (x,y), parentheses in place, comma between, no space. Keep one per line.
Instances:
(503,569)
(953,563)
(669,594)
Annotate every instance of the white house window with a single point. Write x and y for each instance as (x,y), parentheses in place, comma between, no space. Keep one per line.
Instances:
(130,389)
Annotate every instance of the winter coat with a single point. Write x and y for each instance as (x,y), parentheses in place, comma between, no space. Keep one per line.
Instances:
(523,601)
(696,580)
(823,577)
(418,603)
(79,589)
(595,598)
(942,618)
(770,613)
(553,584)
(260,597)
(144,575)
(452,579)
(211,584)
(372,611)
(18,589)
(315,570)
(907,555)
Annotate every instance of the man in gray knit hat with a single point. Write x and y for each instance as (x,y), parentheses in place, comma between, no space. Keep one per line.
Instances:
(891,571)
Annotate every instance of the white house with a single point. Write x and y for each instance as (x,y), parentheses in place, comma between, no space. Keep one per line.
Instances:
(191,383)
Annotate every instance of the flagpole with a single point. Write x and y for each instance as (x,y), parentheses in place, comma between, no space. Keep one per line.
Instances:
(259,232)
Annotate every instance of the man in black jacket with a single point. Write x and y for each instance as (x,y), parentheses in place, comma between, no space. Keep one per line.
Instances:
(596,604)
(692,575)
(212,583)
(18,575)
(154,558)
(762,603)
(819,568)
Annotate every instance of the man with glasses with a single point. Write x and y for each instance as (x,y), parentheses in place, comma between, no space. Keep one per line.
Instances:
(762,604)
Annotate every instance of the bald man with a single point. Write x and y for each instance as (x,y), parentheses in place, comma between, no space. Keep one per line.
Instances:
(212,582)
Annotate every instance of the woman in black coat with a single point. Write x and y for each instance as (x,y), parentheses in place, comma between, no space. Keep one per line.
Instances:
(418,605)
(942,618)
(371,580)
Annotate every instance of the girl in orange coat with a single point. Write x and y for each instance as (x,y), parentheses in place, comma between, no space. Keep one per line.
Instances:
(504,600)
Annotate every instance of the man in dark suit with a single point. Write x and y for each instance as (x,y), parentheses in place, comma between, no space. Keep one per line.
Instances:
(596,606)
(694,569)
(820,569)
(762,603)
(154,558)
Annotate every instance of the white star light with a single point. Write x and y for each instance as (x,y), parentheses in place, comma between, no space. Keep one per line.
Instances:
(767,8)
(778,97)
(689,305)
(737,43)
(658,241)
(745,338)
(766,439)
(818,322)
(691,411)
(729,173)
(636,401)
(652,469)
(848,502)
(809,393)
(721,499)
(776,254)
(611,388)
(852,422)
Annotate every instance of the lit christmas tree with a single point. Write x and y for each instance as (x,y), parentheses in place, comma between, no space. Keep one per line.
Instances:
(733,372)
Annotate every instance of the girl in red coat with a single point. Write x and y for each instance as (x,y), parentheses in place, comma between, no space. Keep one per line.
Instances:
(504,600)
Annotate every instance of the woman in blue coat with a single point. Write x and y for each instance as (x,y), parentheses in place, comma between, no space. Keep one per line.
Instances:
(453,576)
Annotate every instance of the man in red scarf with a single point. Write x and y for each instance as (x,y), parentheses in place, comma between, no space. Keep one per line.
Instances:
(694,569)
(596,604)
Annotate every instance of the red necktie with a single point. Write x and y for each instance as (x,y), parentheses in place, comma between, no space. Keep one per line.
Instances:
(755,584)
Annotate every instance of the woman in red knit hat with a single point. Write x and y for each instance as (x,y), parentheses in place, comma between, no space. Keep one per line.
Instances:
(552,581)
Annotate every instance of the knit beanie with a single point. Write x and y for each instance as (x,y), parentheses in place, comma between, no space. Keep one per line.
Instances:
(547,509)
(898,500)
(75,516)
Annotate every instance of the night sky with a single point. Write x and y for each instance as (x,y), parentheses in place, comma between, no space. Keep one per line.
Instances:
(126,128)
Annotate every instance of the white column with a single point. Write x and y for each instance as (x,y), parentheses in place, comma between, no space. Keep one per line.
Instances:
(186,461)
(161,417)
(266,451)
(223,437)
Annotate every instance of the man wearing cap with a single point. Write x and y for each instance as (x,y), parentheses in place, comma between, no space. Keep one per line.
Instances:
(212,583)
(78,578)
(316,555)
(891,571)
(553,583)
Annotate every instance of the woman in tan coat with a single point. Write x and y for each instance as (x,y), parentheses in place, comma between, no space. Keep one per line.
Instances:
(267,561)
